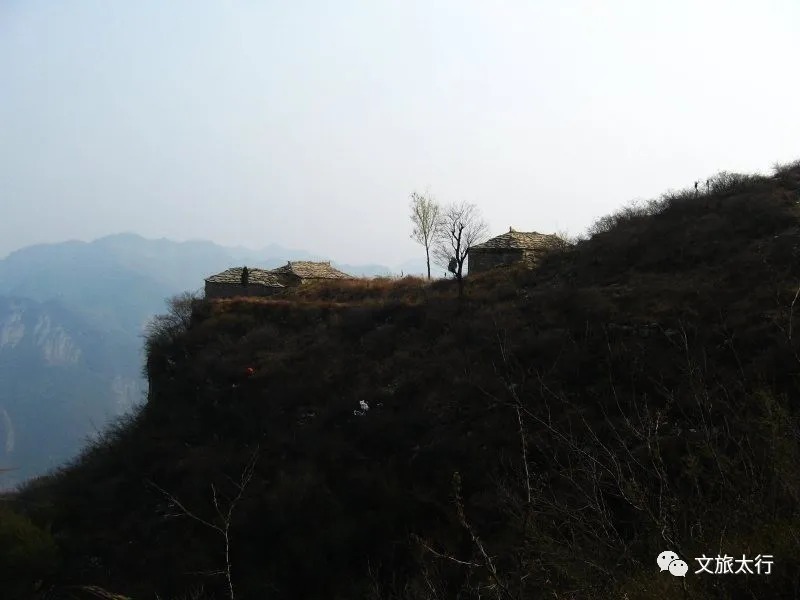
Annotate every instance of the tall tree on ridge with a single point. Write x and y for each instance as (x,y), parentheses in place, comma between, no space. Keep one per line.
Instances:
(426,217)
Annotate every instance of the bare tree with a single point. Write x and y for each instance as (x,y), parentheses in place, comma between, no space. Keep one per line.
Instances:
(425,215)
(221,523)
(161,331)
(461,227)
(174,322)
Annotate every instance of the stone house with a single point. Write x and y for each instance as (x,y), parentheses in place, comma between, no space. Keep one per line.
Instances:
(298,272)
(510,248)
(228,284)
(262,282)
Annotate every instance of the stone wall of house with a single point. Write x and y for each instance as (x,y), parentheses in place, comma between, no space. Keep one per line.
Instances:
(289,280)
(484,260)
(230,290)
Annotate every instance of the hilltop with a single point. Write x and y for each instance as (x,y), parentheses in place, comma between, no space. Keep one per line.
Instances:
(549,437)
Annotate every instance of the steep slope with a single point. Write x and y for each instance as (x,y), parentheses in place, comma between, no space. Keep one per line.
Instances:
(547,438)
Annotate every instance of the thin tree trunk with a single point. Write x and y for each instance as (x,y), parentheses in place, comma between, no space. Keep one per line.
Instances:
(460,277)
(228,575)
(460,293)
(428,259)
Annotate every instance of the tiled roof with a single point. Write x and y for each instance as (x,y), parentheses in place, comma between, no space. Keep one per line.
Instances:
(518,240)
(306,269)
(255,277)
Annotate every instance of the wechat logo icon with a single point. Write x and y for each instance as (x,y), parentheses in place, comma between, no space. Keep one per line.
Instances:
(669,561)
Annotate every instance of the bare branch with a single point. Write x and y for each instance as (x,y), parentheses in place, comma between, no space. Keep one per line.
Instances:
(461,228)
(791,311)
(224,516)
(466,563)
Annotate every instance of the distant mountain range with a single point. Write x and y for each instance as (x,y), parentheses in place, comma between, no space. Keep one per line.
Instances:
(71,320)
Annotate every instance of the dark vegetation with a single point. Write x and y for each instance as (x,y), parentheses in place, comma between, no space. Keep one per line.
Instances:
(637,393)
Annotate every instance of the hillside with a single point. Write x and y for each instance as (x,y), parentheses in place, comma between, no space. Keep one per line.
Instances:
(97,297)
(549,437)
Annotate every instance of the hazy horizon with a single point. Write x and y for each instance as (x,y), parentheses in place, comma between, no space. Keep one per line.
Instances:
(308,125)
(272,251)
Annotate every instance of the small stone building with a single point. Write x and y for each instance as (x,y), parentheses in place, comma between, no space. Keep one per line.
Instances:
(510,248)
(228,284)
(298,272)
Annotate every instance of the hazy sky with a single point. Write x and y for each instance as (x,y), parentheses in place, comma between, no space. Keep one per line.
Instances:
(308,123)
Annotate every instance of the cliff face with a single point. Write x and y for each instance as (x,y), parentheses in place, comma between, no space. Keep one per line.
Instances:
(56,375)
(20,325)
(555,432)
